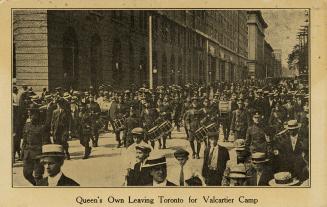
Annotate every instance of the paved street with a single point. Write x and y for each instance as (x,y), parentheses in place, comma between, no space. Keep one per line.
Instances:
(105,168)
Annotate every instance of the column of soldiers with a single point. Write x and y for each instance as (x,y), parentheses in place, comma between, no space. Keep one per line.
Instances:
(270,122)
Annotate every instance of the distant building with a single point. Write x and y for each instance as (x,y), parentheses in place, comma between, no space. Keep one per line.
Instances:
(277,64)
(256,29)
(79,48)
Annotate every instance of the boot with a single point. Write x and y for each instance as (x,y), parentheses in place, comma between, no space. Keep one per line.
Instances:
(67,155)
(119,144)
(87,152)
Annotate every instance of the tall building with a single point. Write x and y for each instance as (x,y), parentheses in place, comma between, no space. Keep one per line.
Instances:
(79,48)
(278,63)
(256,29)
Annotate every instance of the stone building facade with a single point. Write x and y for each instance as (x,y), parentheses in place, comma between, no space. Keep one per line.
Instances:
(79,48)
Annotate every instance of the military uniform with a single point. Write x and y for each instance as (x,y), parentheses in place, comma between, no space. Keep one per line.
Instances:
(239,123)
(256,139)
(192,122)
(95,111)
(85,131)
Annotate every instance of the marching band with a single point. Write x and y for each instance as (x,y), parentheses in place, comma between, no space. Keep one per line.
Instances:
(265,122)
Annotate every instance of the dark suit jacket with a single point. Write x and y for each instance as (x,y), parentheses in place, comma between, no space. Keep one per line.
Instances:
(266,176)
(60,123)
(167,184)
(290,160)
(223,157)
(139,177)
(63,181)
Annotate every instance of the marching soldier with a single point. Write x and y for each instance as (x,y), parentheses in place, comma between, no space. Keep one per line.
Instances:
(85,130)
(192,122)
(148,117)
(239,123)
(132,121)
(177,111)
(60,126)
(95,110)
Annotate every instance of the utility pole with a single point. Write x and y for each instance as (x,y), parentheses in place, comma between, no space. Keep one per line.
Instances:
(150,54)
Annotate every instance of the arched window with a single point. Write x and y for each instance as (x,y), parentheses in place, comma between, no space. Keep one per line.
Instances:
(172,69)
(131,64)
(117,75)
(70,58)
(164,69)
(96,67)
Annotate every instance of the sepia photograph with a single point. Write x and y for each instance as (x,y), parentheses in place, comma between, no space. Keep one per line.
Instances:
(161,98)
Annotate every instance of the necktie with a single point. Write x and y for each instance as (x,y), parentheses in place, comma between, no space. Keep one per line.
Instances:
(210,156)
(181,177)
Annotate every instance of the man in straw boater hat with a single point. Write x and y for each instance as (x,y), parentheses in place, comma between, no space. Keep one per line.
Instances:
(242,157)
(290,148)
(52,158)
(238,175)
(283,179)
(215,159)
(157,167)
(138,175)
(262,173)
(33,138)
(183,173)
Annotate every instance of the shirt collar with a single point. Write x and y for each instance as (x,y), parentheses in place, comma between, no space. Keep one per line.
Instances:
(295,137)
(53,181)
(164,183)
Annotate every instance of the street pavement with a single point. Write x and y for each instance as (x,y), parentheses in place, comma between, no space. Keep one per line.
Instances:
(105,167)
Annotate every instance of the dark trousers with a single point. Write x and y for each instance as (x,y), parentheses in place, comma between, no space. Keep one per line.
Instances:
(60,139)
(213,178)
(226,128)
(241,134)
(16,147)
(30,166)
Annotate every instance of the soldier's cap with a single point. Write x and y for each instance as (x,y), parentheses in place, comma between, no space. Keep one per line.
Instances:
(213,135)
(138,131)
(259,157)
(238,171)
(155,160)
(181,153)
(144,148)
(52,150)
(239,144)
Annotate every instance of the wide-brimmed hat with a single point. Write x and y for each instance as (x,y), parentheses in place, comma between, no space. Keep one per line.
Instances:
(155,160)
(239,144)
(52,150)
(259,157)
(293,124)
(238,171)
(283,179)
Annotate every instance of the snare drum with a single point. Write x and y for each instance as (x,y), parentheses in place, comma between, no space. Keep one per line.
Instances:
(118,124)
(200,134)
(165,127)
(154,133)
(212,127)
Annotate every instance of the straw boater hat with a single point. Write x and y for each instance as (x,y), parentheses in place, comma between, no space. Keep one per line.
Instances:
(52,150)
(144,148)
(293,124)
(155,160)
(283,179)
(259,157)
(237,171)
